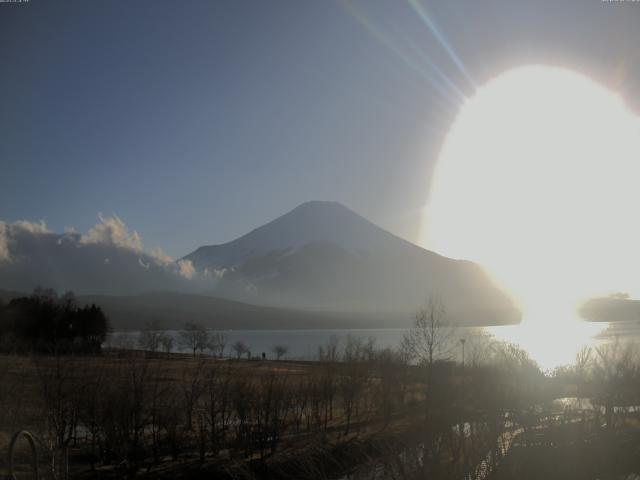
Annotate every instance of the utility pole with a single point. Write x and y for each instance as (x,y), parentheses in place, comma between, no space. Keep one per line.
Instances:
(462,341)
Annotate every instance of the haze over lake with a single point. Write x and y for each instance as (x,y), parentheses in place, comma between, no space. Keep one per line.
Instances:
(304,344)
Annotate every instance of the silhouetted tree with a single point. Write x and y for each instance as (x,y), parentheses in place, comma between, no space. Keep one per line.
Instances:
(166,341)
(430,333)
(45,322)
(240,348)
(150,337)
(217,344)
(615,372)
(280,351)
(329,352)
(194,337)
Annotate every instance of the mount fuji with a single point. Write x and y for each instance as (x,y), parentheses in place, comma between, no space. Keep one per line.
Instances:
(322,256)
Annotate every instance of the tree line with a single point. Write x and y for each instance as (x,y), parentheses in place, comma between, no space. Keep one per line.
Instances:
(45,322)
(193,338)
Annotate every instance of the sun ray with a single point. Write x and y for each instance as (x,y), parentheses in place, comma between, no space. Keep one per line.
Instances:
(418,62)
(442,40)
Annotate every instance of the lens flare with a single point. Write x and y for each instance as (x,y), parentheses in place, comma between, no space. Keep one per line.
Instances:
(537,181)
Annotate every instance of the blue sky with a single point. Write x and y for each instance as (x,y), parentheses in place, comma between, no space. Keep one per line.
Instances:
(197,121)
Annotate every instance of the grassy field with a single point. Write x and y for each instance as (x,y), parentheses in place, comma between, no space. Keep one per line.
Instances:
(126,413)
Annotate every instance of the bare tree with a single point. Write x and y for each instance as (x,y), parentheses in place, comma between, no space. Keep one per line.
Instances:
(150,336)
(240,348)
(391,385)
(271,411)
(60,390)
(217,344)
(192,389)
(351,386)
(477,349)
(242,394)
(194,337)
(353,349)
(329,352)
(430,335)
(615,372)
(167,342)
(217,407)
(90,398)
(280,350)
(157,393)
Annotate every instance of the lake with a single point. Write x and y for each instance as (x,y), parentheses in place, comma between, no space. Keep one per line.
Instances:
(549,347)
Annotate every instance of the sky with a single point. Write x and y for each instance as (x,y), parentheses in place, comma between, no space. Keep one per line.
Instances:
(195,122)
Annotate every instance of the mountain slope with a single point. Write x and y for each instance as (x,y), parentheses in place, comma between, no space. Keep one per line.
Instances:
(310,223)
(322,255)
(172,310)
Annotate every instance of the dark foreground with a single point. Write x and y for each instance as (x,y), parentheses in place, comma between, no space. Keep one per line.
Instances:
(369,415)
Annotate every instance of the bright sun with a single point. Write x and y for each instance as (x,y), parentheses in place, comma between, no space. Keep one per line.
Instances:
(538,181)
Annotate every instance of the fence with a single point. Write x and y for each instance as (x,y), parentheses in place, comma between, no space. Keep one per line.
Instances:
(57,471)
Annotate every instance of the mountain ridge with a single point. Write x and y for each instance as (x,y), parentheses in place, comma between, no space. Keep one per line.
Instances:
(314,214)
(322,255)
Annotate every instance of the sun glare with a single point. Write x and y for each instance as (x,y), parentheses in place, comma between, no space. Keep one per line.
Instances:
(537,181)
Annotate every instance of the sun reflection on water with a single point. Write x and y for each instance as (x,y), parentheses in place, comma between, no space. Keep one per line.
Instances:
(550,345)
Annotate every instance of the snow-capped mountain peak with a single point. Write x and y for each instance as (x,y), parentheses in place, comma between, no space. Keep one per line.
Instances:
(314,222)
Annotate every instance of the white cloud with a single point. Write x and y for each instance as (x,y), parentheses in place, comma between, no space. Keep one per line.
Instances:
(70,235)
(112,231)
(4,243)
(217,273)
(160,257)
(30,227)
(8,230)
(186,269)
